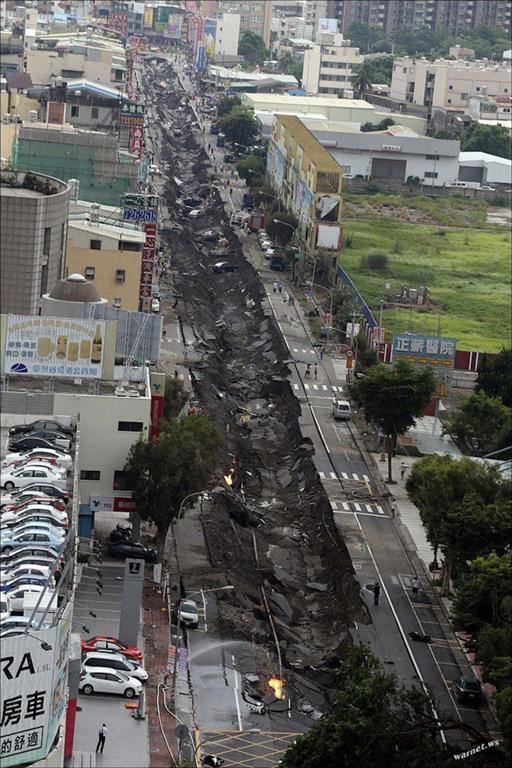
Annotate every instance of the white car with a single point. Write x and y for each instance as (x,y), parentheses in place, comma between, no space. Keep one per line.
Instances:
(262,235)
(114,661)
(20,497)
(195,213)
(17,595)
(19,478)
(154,170)
(105,680)
(265,244)
(487,188)
(268,253)
(60,458)
(35,512)
(155,305)
(36,462)
(37,526)
(28,569)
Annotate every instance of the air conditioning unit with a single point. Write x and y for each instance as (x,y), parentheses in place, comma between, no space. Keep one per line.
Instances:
(120,392)
(132,393)
(6,119)
(95,213)
(32,116)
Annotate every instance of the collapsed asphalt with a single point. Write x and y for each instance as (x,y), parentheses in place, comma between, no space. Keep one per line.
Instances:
(277,528)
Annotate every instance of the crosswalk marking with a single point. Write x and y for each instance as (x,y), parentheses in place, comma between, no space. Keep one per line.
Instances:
(295,386)
(356,477)
(345,507)
(369,507)
(321,475)
(379,510)
(324,387)
(315,386)
(357,506)
(344,475)
(333,476)
(365,477)
(306,386)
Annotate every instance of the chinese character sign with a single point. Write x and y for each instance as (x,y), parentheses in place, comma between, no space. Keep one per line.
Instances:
(26,673)
(437,352)
(50,346)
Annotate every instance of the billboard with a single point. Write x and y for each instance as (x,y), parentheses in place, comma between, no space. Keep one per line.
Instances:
(131,114)
(111,504)
(438,352)
(327,204)
(54,346)
(148,17)
(209,34)
(33,685)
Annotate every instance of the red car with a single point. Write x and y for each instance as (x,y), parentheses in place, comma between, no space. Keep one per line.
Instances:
(111,645)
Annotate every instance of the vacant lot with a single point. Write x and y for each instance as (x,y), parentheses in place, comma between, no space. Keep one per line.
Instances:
(452,211)
(467,271)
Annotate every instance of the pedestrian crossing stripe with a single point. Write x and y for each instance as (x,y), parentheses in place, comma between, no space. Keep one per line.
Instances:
(345,507)
(324,387)
(365,477)
(315,386)
(333,476)
(295,386)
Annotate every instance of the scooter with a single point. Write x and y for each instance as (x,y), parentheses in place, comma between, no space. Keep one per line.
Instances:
(120,533)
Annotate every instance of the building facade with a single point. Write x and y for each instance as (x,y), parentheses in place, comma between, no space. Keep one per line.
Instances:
(107,254)
(452,15)
(450,84)
(255,15)
(76,61)
(308,182)
(33,235)
(227,36)
(329,68)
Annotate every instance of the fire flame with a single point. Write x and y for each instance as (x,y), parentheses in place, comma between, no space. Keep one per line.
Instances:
(229,478)
(277,686)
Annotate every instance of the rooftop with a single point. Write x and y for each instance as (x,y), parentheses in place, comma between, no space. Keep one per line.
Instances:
(474,157)
(251,77)
(312,147)
(99,89)
(112,230)
(308,101)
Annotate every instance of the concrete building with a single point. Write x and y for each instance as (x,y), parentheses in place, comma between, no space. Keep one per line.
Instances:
(33,234)
(450,84)
(308,182)
(107,251)
(315,10)
(239,79)
(227,36)
(489,110)
(391,154)
(255,15)
(94,106)
(452,15)
(484,168)
(329,66)
(354,111)
(20,104)
(104,171)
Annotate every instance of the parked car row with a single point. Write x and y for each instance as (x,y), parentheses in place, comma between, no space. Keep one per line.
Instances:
(110,666)
(34,525)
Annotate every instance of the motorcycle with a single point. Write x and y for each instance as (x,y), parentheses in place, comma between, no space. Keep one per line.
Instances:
(120,533)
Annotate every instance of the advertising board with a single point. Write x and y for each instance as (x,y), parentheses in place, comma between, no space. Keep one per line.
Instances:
(329,236)
(438,352)
(54,346)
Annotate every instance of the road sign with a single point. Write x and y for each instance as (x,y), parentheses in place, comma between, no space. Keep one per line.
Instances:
(349,353)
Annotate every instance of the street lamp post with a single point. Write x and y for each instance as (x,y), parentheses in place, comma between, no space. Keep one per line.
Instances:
(178,633)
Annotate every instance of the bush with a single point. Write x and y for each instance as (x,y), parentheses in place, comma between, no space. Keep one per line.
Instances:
(376,261)
(348,241)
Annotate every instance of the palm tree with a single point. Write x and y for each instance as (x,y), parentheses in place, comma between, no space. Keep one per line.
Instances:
(362,81)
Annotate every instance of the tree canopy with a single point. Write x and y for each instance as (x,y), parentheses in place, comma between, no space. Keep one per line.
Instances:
(240,126)
(363,78)
(495,376)
(392,398)
(283,232)
(477,421)
(226,103)
(375,722)
(252,47)
(252,168)
(367,127)
(180,461)
(493,139)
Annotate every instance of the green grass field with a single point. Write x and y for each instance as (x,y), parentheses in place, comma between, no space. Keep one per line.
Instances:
(467,271)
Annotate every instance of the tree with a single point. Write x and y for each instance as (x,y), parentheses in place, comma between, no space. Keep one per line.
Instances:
(493,139)
(367,127)
(504,712)
(483,594)
(252,47)
(381,69)
(368,39)
(439,485)
(362,81)
(477,420)
(240,126)
(179,462)
(375,722)
(252,168)
(175,398)
(226,103)
(281,226)
(495,376)
(392,398)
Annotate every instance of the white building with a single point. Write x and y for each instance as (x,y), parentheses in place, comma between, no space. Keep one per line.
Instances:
(392,154)
(489,110)
(227,36)
(448,84)
(484,168)
(329,66)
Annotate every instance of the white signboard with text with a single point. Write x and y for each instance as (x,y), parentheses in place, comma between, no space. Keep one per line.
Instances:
(54,346)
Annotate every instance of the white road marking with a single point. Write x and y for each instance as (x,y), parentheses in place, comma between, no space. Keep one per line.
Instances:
(237,702)
(333,476)
(315,386)
(333,505)
(357,506)
(324,387)
(295,386)
(369,507)
(334,389)
(321,475)
(306,386)
(365,477)
(344,475)
(346,506)
(380,510)
(356,477)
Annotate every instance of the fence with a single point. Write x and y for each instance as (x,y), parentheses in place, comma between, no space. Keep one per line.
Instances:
(365,309)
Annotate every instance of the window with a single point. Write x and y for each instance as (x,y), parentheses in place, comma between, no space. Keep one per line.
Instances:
(449,101)
(130,426)
(44,279)
(430,175)
(47,240)
(432,157)
(90,474)
(120,275)
(123,481)
(90,272)
(464,95)
(94,113)
(116,303)
(450,87)
(95,245)
(129,246)
(75,111)
(477,88)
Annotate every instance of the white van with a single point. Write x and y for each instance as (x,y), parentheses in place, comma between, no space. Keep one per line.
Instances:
(341,409)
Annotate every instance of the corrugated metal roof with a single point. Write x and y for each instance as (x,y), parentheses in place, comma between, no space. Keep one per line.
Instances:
(19,80)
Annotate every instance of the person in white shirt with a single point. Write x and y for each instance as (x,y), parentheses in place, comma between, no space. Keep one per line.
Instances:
(102,735)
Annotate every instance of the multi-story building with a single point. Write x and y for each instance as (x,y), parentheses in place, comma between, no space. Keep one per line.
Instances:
(329,65)
(452,15)
(308,182)
(255,15)
(314,11)
(33,234)
(107,251)
(90,105)
(227,34)
(449,84)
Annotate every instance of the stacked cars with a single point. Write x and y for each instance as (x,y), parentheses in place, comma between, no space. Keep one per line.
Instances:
(34,520)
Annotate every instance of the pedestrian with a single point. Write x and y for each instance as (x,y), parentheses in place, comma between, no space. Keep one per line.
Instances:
(322,352)
(376,593)
(274,287)
(415,586)
(291,300)
(316,371)
(403,470)
(308,371)
(280,287)
(102,735)
(285,298)
(393,509)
